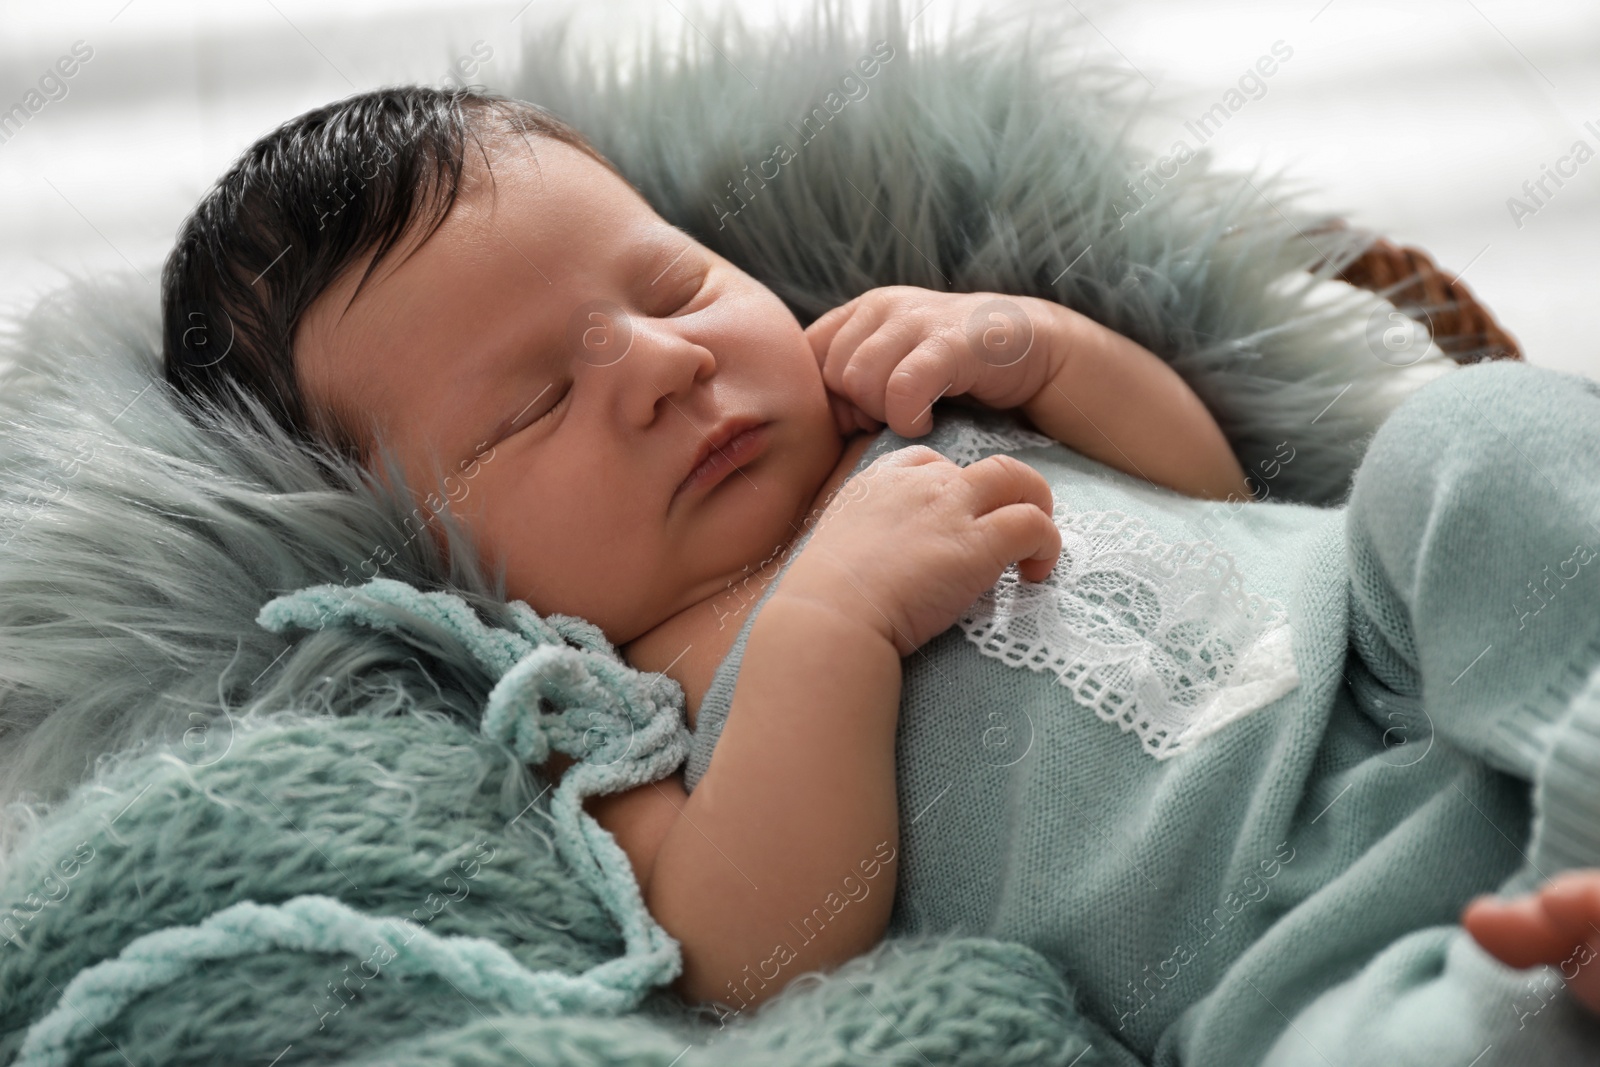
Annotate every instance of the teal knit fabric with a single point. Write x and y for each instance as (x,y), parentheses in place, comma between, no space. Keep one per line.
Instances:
(1201,896)
(1475,553)
(637,719)
(370,889)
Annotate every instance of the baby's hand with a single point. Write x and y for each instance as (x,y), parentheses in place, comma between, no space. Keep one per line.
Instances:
(908,544)
(887,355)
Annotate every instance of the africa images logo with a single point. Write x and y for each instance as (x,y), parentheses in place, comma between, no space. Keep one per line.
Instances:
(850,88)
(52,87)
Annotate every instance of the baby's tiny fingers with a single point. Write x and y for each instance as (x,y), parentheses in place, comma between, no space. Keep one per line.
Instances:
(820,334)
(863,421)
(862,324)
(927,373)
(850,418)
(1572,900)
(1003,479)
(1026,535)
(842,417)
(1517,932)
(1006,487)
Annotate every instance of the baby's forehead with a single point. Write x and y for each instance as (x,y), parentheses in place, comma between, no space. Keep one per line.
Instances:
(589,226)
(505,156)
(341,324)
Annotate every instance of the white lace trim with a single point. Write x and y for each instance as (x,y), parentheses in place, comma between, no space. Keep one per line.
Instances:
(1158,638)
(967,441)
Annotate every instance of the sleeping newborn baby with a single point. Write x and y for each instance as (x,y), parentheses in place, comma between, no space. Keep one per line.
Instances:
(976,627)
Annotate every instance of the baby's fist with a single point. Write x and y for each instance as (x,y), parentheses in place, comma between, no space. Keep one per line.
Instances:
(887,355)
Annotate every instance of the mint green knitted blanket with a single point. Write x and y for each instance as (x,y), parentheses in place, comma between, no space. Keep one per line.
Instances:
(267,762)
(254,891)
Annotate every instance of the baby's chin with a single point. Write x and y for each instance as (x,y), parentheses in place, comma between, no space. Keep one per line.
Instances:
(842,453)
(787,485)
(805,460)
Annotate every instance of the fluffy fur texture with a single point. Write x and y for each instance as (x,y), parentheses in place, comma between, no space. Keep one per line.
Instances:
(205,760)
(992,161)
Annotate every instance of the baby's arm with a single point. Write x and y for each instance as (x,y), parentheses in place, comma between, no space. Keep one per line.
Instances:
(799,795)
(1115,401)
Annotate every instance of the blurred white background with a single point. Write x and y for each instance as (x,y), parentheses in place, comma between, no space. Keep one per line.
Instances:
(1420,119)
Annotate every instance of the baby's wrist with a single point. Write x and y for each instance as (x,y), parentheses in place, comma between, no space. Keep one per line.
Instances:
(817,600)
(1065,334)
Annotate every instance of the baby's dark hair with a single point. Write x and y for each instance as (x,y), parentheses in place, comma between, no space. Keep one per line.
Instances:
(294,212)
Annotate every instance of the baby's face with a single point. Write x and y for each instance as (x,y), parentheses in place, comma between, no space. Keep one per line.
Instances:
(584,352)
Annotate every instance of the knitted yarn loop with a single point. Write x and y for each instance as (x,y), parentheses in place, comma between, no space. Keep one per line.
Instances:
(624,727)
